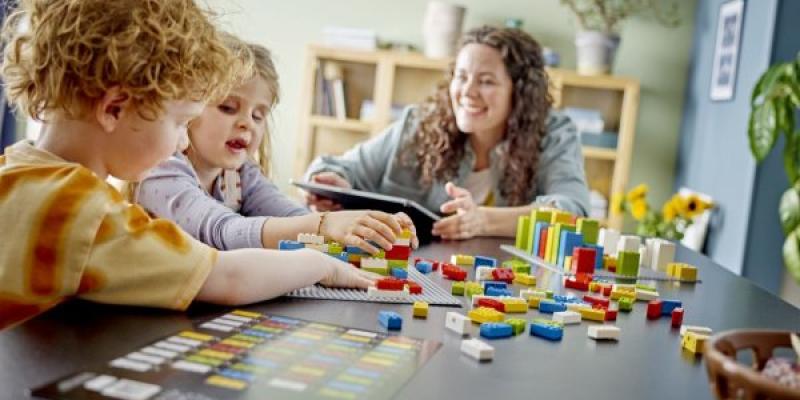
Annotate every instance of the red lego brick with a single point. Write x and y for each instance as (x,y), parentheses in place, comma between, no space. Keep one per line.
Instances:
(542,242)
(611,315)
(596,300)
(583,259)
(654,309)
(390,283)
(399,252)
(414,287)
(607,290)
(453,273)
(492,303)
(503,274)
(677,317)
(572,283)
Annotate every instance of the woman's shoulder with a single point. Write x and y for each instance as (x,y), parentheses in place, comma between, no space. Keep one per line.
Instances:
(560,129)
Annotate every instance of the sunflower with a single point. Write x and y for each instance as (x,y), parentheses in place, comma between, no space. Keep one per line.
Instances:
(695,206)
(639,209)
(637,193)
(670,210)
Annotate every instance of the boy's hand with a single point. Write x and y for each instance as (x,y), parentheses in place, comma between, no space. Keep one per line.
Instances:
(344,275)
(355,228)
(318,203)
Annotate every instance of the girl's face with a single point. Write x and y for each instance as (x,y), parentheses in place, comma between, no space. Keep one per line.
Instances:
(481,91)
(230,131)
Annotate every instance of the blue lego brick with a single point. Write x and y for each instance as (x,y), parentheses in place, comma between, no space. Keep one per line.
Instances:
(537,235)
(482,261)
(354,250)
(399,273)
(390,320)
(547,331)
(494,284)
(549,307)
(565,298)
(569,240)
(496,330)
(493,291)
(424,266)
(290,245)
(343,256)
(668,305)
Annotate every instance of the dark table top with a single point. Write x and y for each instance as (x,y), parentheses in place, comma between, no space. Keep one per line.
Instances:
(647,362)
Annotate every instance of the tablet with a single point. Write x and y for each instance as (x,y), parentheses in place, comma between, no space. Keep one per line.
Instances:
(351,199)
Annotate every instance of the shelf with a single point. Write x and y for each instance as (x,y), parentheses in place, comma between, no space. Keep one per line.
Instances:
(599,153)
(564,77)
(353,125)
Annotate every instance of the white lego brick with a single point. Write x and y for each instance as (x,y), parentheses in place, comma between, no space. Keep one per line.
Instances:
(663,254)
(604,332)
(644,256)
(458,323)
(483,274)
(477,349)
(126,389)
(629,243)
(310,238)
(577,307)
(645,295)
(99,382)
(372,262)
(608,238)
(567,317)
(402,242)
(528,293)
(700,330)
(375,293)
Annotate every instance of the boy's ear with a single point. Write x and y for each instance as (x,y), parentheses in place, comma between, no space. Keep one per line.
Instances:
(111,108)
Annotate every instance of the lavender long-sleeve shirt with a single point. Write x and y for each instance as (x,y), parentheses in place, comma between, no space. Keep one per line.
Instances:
(173,191)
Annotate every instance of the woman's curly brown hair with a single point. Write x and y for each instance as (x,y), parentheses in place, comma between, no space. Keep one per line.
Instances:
(438,145)
(63,55)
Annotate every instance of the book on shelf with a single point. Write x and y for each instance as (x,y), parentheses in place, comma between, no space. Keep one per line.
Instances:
(330,97)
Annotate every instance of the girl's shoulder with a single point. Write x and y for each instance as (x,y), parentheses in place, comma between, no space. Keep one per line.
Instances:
(176,165)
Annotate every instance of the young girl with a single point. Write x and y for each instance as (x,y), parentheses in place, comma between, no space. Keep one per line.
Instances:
(218,194)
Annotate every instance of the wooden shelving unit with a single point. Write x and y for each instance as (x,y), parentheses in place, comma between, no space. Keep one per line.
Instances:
(391,78)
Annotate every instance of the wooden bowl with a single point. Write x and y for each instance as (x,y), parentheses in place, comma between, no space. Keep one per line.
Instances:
(732,380)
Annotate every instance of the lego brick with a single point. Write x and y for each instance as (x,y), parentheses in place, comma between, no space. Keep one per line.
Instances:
(645,295)
(610,263)
(515,305)
(625,304)
(405,234)
(629,243)
(457,289)
(694,342)
(375,293)
(700,330)
(354,250)
(606,290)
(494,291)
(654,309)
(483,314)
(453,273)
(399,273)
(593,314)
(604,332)
(608,238)
(335,248)
(684,271)
(525,279)
(663,254)
(668,305)
(618,294)
(645,254)
(496,330)
(590,229)
(458,323)
(420,309)
(596,300)
(577,307)
(343,257)
(494,284)
(523,229)
(413,287)
(310,238)
(323,248)
(628,263)
(424,267)
(676,317)
(483,261)
(492,303)
(390,283)
(567,317)
(528,293)
(537,237)
(397,263)
(567,298)
(503,274)
(477,349)
(518,325)
(472,289)
(541,215)
(584,260)
(390,320)
(462,260)
(533,302)
(568,241)
(483,273)
(643,286)
(547,329)
(595,287)
(549,306)
(611,314)
(558,216)
(290,245)
(398,252)
(573,283)
(371,262)
(541,250)
(567,263)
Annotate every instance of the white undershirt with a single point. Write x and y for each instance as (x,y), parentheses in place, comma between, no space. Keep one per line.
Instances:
(479,184)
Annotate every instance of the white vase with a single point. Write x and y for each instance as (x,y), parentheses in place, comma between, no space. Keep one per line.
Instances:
(441,28)
(595,52)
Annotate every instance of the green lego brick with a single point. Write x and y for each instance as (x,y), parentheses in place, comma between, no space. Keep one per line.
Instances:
(628,263)
(625,304)
(473,288)
(457,289)
(523,228)
(518,266)
(590,228)
(378,270)
(517,325)
(536,216)
(397,264)
(335,248)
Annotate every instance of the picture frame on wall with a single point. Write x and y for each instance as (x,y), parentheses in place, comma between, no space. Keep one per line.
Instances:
(726,50)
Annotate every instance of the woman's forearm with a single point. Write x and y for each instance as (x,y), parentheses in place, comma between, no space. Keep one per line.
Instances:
(502,221)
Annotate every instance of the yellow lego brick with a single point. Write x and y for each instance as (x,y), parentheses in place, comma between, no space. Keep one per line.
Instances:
(462,259)
(567,263)
(686,272)
(227,383)
(594,286)
(335,248)
(484,314)
(533,302)
(551,235)
(694,342)
(592,314)
(525,279)
(196,336)
(405,234)
(560,217)
(420,309)
(248,314)
(515,305)
(609,262)
(616,294)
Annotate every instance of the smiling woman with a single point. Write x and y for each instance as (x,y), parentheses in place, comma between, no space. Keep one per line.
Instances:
(486,147)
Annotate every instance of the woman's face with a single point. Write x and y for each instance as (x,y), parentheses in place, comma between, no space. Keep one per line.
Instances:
(481,91)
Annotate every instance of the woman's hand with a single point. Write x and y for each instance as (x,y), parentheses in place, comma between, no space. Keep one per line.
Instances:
(468,220)
(356,228)
(318,203)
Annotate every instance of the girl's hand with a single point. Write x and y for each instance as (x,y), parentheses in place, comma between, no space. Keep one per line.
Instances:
(468,221)
(344,275)
(318,203)
(356,227)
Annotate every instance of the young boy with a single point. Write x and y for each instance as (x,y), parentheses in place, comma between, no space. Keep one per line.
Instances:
(116,83)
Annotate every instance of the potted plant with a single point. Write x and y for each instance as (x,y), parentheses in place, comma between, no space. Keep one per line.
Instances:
(599,23)
(669,222)
(775,100)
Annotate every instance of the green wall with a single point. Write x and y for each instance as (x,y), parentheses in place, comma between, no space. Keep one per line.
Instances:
(656,55)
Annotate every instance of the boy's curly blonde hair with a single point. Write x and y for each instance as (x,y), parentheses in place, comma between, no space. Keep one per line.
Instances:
(63,55)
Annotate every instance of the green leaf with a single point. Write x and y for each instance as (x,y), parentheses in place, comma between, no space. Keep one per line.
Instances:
(791,255)
(791,156)
(766,84)
(789,209)
(761,130)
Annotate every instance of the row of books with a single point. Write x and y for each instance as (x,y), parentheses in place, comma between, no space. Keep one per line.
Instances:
(329,97)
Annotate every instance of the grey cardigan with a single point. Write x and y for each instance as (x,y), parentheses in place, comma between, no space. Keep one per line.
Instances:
(375,166)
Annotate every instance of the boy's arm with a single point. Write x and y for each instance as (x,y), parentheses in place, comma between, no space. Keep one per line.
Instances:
(252,275)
